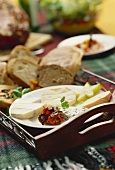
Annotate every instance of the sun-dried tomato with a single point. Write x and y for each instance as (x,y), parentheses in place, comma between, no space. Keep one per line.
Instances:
(55,119)
(51,116)
(48,111)
(42,118)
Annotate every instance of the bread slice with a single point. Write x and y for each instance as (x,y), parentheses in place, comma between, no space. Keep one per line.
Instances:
(59,66)
(4,79)
(22,71)
(23,52)
(2,72)
(100,98)
(26,110)
(37,39)
(4,55)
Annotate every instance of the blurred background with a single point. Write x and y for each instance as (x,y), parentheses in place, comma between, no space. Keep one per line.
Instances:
(70,17)
(106,20)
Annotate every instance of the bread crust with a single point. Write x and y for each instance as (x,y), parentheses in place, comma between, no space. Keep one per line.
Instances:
(21,71)
(23,52)
(14,25)
(59,66)
(4,79)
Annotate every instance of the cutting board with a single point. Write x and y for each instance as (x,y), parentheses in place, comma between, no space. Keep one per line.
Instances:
(34,40)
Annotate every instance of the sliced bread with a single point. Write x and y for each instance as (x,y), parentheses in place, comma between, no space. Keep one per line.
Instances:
(2,72)
(4,79)
(23,52)
(22,71)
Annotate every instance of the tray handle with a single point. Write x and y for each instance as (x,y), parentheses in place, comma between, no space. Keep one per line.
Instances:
(77,131)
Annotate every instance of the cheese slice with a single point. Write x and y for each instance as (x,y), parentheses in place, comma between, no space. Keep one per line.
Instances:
(100,98)
(52,97)
(26,110)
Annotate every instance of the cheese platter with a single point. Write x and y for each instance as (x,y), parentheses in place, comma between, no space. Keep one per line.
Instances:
(78,129)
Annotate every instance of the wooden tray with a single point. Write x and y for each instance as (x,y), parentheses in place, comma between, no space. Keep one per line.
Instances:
(76,132)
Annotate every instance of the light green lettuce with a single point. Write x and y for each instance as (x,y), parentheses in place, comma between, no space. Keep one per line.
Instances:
(79,9)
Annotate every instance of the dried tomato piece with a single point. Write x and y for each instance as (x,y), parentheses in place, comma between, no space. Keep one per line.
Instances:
(42,118)
(55,119)
(51,116)
(48,111)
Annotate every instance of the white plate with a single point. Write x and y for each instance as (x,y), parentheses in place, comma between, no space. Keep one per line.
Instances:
(107,41)
(35,96)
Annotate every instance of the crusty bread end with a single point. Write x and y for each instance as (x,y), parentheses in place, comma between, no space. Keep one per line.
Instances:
(59,66)
(22,71)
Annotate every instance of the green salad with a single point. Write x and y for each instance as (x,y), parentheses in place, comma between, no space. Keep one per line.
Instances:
(71,9)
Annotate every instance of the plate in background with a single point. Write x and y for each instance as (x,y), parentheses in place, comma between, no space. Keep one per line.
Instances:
(107,41)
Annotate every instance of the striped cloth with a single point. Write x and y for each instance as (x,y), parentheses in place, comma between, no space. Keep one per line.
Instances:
(99,156)
(104,66)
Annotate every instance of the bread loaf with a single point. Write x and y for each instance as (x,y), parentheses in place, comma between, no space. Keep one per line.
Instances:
(23,52)
(22,71)
(14,25)
(59,66)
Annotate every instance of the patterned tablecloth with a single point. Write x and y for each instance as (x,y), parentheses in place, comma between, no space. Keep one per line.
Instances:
(101,155)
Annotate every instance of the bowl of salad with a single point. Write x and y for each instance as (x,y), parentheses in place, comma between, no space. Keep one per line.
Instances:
(71,16)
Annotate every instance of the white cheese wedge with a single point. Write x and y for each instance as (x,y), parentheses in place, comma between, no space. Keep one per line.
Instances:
(100,98)
(52,97)
(26,110)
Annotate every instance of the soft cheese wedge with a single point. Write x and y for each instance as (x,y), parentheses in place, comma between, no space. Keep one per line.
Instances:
(26,110)
(52,97)
(100,98)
